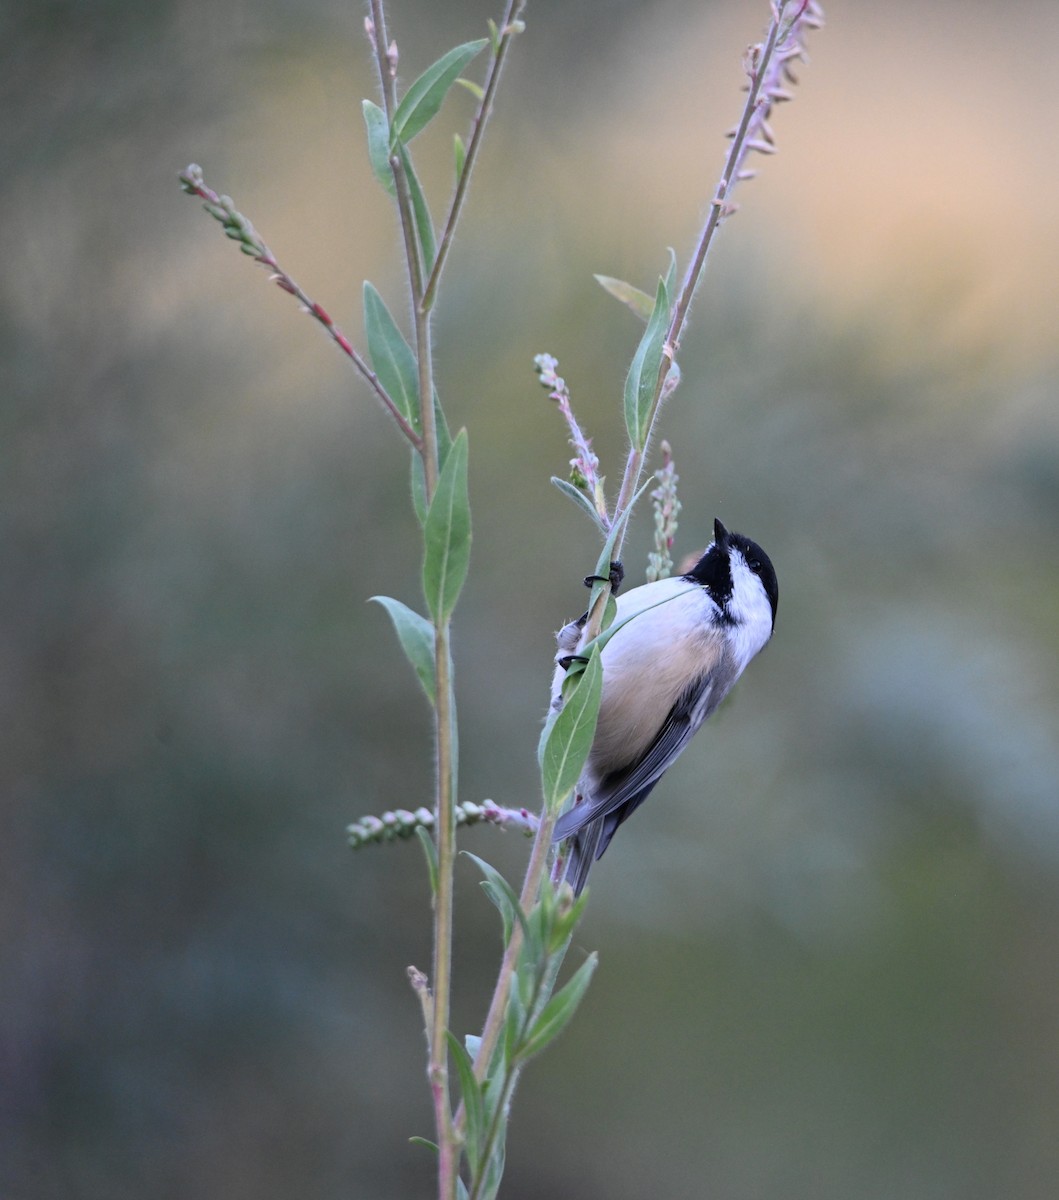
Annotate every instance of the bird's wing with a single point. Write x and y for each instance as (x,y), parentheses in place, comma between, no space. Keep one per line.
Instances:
(631,784)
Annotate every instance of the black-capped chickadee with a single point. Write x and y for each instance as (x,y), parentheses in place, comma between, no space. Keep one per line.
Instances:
(664,672)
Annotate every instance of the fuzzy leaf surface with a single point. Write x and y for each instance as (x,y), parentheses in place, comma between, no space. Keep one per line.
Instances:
(421,214)
(502,894)
(643,373)
(559,1009)
(631,296)
(447,534)
(471,1093)
(421,102)
(379,145)
(391,357)
(416,635)
(579,498)
(567,736)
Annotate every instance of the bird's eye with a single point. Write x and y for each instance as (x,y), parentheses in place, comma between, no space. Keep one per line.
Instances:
(754,564)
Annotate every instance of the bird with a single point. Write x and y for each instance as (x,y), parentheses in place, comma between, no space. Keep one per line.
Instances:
(679,646)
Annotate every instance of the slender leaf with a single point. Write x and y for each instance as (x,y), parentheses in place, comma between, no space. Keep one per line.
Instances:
(447,534)
(419,483)
(421,102)
(497,1098)
(502,894)
(471,1093)
(559,1010)
(495,1171)
(514,1023)
(566,918)
(430,850)
(419,487)
(421,213)
(671,274)
(391,356)
(416,635)
(567,736)
(476,89)
(459,154)
(422,1141)
(640,302)
(379,145)
(579,498)
(606,558)
(642,379)
(441,425)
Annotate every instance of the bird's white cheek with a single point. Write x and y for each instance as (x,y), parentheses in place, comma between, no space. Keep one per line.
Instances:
(751,614)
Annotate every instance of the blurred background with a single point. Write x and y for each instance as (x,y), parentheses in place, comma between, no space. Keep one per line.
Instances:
(830,945)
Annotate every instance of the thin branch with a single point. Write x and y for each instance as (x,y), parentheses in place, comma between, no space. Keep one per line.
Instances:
(448,1143)
(508,28)
(767,66)
(494,1021)
(386,56)
(239,229)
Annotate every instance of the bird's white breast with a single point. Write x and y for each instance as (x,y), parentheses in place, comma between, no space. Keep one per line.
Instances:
(671,640)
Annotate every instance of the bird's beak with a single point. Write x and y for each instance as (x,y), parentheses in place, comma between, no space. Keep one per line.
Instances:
(720,534)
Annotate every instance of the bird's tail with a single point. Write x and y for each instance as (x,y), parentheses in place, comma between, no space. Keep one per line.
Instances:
(582,850)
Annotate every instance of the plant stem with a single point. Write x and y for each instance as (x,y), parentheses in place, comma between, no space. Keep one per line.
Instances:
(444,714)
(481,118)
(535,872)
(720,207)
(237,227)
(448,1149)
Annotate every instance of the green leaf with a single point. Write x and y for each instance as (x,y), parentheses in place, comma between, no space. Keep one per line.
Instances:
(416,635)
(606,555)
(564,921)
(422,1141)
(419,483)
(642,379)
(495,1170)
(476,89)
(459,154)
(671,274)
(567,736)
(471,1093)
(502,894)
(430,850)
(379,145)
(579,498)
(640,302)
(514,1022)
(447,534)
(391,357)
(421,102)
(419,487)
(421,213)
(559,1009)
(441,425)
